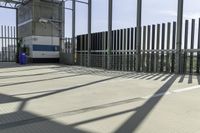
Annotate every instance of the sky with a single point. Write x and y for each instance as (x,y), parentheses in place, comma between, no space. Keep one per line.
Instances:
(124,14)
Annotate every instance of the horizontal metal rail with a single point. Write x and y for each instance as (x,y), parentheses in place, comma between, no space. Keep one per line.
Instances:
(121,51)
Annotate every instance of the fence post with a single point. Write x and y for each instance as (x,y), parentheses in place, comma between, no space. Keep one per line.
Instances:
(17,37)
(168,47)
(192,46)
(162,48)
(144,48)
(73,28)
(185,47)
(148,48)
(173,46)
(110,6)
(89,30)
(179,36)
(138,36)
(153,48)
(157,48)
(198,54)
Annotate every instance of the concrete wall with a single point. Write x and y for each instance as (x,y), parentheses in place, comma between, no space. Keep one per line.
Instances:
(29,16)
(49,11)
(25,20)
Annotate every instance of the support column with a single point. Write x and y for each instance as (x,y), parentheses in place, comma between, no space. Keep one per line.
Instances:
(62,35)
(179,36)
(110,15)
(138,36)
(89,30)
(73,28)
(17,40)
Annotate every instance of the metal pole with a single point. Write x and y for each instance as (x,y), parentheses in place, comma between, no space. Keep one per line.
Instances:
(138,36)
(63,27)
(73,28)
(110,6)
(17,38)
(179,36)
(89,30)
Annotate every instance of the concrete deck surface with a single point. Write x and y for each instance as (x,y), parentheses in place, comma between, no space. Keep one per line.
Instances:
(50,98)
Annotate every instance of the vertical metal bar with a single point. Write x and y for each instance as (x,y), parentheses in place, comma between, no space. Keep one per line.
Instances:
(104,48)
(192,46)
(162,48)
(124,49)
(135,48)
(81,50)
(121,48)
(114,48)
(85,49)
(102,53)
(153,47)
(73,27)
(103,36)
(83,53)
(118,48)
(63,23)
(148,48)
(110,9)
(62,27)
(138,38)
(15,43)
(144,48)
(112,52)
(78,47)
(132,48)
(97,48)
(179,35)
(173,46)
(158,48)
(101,48)
(99,54)
(198,46)
(11,43)
(185,47)
(122,37)
(17,37)
(89,30)
(2,42)
(168,47)
(128,48)
(5,39)
(8,38)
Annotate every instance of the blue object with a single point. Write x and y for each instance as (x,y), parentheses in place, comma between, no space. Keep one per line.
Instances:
(22,58)
(49,48)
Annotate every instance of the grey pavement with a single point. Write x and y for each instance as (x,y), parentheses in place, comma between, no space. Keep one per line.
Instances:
(52,98)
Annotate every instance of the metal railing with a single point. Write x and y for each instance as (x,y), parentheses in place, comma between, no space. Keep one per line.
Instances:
(8,42)
(158,49)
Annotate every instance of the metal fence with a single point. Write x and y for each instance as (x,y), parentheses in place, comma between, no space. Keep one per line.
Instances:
(158,49)
(8,43)
(68,47)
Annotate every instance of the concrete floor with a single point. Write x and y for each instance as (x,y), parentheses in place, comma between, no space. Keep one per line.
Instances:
(69,99)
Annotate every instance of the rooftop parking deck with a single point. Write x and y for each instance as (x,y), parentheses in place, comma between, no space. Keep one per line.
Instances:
(51,98)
